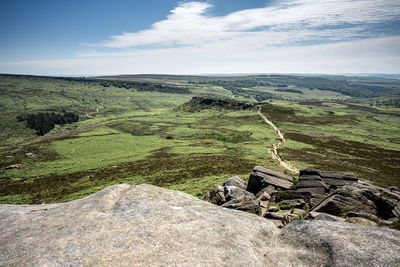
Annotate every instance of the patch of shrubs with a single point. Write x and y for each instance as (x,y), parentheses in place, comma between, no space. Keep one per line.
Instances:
(43,123)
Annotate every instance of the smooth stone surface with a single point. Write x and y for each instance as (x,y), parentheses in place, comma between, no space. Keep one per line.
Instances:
(236,181)
(343,244)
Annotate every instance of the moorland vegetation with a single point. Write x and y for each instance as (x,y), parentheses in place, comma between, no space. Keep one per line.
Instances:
(150,129)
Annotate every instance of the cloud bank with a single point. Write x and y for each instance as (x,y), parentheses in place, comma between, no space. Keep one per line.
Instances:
(303,36)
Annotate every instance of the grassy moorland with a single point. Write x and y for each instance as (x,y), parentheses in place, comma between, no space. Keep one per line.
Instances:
(134,129)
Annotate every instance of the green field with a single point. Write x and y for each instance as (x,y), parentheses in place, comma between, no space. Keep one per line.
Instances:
(131,131)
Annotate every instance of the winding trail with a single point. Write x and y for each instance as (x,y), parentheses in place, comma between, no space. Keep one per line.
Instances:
(275,147)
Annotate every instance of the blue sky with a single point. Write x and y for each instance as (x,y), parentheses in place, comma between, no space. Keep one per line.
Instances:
(91,37)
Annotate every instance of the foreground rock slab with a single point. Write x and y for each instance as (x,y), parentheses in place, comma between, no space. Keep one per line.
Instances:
(144,225)
(343,244)
(127,225)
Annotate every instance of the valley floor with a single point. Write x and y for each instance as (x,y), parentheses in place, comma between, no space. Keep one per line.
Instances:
(134,137)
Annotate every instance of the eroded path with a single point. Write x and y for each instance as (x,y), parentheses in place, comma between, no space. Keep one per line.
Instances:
(275,147)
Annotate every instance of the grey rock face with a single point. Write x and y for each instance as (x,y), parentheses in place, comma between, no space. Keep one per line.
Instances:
(216,196)
(260,180)
(343,244)
(252,206)
(362,197)
(330,178)
(272,173)
(236,181)
(144,225)
(344,200)
(292,203)
(233,192)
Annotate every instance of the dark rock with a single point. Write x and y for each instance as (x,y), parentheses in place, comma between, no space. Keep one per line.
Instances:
(310,177)
(248,206)
(315,199)
(311,183)
(309,171)
(324,217)
(344,200)
(216,196)
(339,175)
(235,181)
(329,178)
(292,203)
(233,192)
(259,181)
(264,196)
(273,173)
(289,194)
(273,209)
(395,189)
(361,221)
(274,215)
(312,190)
(269,190)
(343,244)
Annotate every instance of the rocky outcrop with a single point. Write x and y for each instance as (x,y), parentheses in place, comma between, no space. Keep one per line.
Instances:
(144,225)
(329,194)
(365,198)
(262,178)
(236,181)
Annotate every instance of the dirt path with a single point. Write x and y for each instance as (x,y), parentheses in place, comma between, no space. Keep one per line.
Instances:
(275,147)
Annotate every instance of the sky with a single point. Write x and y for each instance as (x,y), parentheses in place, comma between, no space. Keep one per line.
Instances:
(104,37)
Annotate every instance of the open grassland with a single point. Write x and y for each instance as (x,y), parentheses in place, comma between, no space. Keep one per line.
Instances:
(131,136)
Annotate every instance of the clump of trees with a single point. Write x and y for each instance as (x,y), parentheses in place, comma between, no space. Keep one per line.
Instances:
(43,123)
(289,91)
(389,103)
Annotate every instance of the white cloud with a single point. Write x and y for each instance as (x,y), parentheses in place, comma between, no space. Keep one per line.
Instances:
(291,21)
(378,55)
(298,36)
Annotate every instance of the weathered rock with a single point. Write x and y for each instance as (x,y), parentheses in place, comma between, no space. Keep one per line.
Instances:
(259,181)
(315,199)
(269,190)
(334,179)
(252,206)
(274,215)
(343,244)
(338,178)
(309,171)
(344,200)
(125,225)
(289,194)
(12,166)
(384,201)
(367,216)
(311,183)
(236,181)
(30,155)
(273,173)
(361,221)
(136,226)
(395,189)
(292,203)
(273,209)
(216,196)
(233,192)
(264,196)
(324,217)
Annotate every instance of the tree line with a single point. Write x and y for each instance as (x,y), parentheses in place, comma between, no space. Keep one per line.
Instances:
(43,123)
